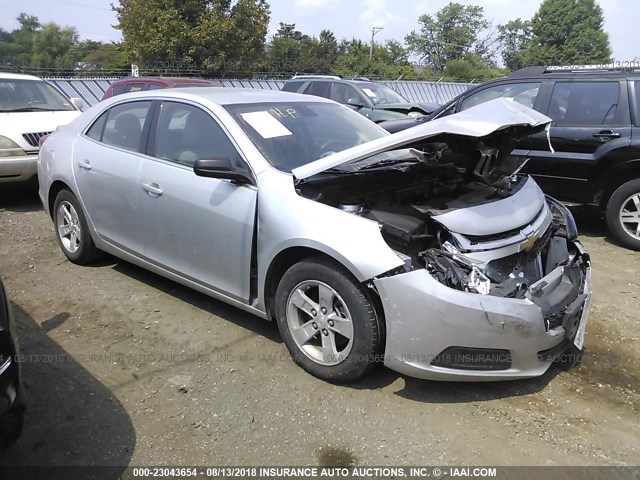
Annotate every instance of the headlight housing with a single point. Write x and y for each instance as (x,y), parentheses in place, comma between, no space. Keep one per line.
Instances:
(563,218)
(415,114)
(9,148)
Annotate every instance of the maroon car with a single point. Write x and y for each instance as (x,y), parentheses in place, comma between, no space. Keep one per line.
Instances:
(139,84)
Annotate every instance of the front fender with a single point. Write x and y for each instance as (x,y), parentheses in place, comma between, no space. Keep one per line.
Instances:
(286,220)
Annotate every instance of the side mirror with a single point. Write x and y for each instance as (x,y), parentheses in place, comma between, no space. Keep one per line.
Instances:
(77,102)
(355,103)
(220,168)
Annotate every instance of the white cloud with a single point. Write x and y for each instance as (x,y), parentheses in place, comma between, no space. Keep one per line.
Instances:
(378,13)
(311,6)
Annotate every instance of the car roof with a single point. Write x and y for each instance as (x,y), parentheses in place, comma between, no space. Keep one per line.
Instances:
(331,78)
(19,76)
(225,95)
(573,71)
(173,80)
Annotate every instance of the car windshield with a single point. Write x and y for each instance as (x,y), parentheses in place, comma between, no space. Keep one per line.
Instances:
(30,95)
(292,134)
(379,93)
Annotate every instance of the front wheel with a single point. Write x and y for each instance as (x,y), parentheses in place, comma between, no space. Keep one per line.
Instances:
(72,229)
(623,215)
(327,321)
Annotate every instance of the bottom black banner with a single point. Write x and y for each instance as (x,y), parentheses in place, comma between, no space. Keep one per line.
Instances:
(333,473)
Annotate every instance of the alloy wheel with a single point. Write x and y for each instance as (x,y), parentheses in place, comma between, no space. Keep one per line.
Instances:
(320,322)
(69,229)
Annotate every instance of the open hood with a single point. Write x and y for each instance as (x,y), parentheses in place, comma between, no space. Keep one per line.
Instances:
(479,121)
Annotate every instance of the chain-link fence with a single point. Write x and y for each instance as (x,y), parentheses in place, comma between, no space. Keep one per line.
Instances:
(90,89)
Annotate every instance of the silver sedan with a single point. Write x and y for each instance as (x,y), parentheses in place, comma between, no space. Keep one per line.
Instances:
(425,250)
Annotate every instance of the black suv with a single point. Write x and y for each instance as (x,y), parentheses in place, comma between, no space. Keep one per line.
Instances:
(374,100)
(595,135)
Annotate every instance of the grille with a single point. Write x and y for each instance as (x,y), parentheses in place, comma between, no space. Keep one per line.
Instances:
(33,138)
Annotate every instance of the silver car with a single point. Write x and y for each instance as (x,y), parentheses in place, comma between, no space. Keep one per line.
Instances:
(363,248)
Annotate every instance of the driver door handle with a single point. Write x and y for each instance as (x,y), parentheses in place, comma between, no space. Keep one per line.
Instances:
(152,189)
(607,134)
(85,164)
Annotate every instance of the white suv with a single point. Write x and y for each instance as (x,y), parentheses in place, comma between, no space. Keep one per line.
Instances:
(30,108)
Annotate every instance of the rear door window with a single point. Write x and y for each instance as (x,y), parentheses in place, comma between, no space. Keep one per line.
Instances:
(319,89)
(585,104)
(125,124)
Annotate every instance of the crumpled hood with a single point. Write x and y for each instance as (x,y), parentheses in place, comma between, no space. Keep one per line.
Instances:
(479,121)
(497,216)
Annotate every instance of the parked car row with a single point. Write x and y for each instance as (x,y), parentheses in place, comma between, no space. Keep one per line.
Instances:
(374,100)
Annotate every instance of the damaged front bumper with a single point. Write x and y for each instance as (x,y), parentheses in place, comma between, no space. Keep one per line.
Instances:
(437,332)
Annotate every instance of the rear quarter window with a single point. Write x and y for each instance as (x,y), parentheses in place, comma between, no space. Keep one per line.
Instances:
(293,86)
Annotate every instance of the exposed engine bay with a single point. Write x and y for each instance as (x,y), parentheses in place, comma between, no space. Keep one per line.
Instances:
(458,207)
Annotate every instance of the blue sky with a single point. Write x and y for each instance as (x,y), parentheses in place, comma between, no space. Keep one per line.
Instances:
(346,18)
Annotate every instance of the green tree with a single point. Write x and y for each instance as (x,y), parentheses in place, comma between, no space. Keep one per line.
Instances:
(515,37)
(53,47)
(217,36)
(396,52)
(108,58)
(450,35)
(471,67)
(568,32)
(326,51)
(49,49)
(290,51)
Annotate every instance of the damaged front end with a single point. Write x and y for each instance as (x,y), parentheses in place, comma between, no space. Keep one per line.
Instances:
(490,265)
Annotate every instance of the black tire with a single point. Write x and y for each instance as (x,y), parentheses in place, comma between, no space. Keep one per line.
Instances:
(616,202)
(367,331)
(86,252)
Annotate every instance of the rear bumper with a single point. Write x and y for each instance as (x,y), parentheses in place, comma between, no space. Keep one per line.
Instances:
(426,321)
(18,169)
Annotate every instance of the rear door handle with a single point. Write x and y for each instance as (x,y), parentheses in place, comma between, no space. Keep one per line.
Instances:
(153,189)
(607,134)
(86,164)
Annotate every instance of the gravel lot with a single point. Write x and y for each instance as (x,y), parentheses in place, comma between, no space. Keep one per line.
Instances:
(124,367)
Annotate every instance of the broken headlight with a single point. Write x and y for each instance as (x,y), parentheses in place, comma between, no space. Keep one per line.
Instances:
(563,221)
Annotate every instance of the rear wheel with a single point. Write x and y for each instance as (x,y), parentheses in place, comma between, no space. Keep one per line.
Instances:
(327,321)
(623,214)
(72,230)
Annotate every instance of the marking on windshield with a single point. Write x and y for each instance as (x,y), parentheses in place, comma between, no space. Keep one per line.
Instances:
(266,125)
(288,113)
(369,92)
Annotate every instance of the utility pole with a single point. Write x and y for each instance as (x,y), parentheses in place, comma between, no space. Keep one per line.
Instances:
(374,30)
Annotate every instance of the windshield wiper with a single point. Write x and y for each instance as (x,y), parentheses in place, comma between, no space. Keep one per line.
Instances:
(392,161)
(30,109)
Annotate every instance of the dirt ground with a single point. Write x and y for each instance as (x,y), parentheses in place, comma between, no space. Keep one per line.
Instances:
(123,367)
